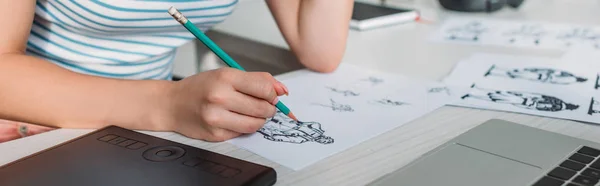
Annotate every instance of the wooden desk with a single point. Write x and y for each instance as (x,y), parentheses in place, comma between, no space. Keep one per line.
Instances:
(400,49)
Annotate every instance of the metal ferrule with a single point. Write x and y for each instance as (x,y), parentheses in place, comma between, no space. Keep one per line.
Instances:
(178,16)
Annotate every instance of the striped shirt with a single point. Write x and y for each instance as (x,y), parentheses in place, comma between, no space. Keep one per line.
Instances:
(125,39)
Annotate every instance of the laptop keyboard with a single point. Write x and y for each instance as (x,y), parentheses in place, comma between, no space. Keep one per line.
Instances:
(582,168)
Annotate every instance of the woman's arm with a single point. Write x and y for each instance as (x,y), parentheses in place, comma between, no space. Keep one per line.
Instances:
(315,30)
(36,91)
(216,105)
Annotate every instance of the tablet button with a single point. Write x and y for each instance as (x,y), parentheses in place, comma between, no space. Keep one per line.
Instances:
(192,162)
(107,137)
(164,153)
(126,143)
(206,165)
(217,169)
(136,145)
(117,140)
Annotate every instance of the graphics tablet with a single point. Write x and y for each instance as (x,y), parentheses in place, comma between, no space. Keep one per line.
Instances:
(116,156)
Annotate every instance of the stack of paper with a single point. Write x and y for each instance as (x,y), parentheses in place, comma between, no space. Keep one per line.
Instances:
(340,110)
(530,85)
(512,33)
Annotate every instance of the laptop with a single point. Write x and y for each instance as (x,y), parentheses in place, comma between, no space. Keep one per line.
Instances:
(501,153)
(116,156)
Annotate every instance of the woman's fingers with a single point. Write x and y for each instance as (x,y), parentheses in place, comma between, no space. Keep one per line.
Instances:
(281,89)
(8,131)
(218,135)
(250,106)
(35,129)
(234,122)
(260,85)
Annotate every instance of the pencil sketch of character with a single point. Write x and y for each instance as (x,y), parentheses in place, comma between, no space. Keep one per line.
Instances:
(281,128)
(597,82)
(543,75)
(338,107)
(526,100)
(343,92)
(579,35)
(439,89)
(389,102)
(594,107)
(526,32)
(472,31)
(374,80)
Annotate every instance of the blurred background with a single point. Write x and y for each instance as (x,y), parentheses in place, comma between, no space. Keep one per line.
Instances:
(238,34)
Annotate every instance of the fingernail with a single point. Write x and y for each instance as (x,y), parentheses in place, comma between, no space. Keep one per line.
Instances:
(285,89)
(274,102)
(279,90)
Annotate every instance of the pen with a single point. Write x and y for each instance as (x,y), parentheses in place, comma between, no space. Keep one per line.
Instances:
(218,51)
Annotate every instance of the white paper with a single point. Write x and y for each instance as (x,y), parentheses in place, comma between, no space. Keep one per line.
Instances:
(525,85)
(512,33)
(582,56)
(340,110)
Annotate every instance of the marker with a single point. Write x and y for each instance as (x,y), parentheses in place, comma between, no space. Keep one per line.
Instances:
(218,51)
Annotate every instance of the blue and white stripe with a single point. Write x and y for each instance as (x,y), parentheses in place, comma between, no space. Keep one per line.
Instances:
(126,39)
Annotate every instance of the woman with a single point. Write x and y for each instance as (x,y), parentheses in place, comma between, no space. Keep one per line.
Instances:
(88,64)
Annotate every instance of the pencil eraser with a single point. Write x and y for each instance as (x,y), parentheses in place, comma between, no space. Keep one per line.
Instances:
(172,10)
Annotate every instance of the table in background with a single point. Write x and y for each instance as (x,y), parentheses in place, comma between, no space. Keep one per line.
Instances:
(402,49)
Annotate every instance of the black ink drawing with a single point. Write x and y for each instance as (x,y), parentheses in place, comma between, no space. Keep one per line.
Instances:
(281,128)
(526,32)
(469,32)
(343,92)
(338,107)
(597,83)
(374,80)
(389,102)
(543,75)
(594,107)
(439,89)
(532,101)
(580,35)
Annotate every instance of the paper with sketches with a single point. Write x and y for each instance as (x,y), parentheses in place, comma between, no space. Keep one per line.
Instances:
(582,56)
(340,110)
(525,85)
(510,33)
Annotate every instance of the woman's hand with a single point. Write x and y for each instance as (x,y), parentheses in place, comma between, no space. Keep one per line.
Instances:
(222,104)
(11,130)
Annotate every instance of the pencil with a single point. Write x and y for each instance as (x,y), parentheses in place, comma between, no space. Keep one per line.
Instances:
(218,51)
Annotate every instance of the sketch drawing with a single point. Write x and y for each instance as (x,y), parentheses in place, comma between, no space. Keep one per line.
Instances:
(439,89)
(281,128)
(338,107)
(594,107)
(579,35)
(389,102)
(527,32)
(526,100)
(597,83)
(469,32)
(343,92)
(374,80)
(543,75)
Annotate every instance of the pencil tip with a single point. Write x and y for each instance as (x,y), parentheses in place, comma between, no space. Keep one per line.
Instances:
(291,115)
